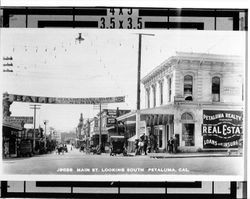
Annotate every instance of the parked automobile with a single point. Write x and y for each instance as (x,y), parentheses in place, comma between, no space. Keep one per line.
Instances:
(25,148)
(117,145)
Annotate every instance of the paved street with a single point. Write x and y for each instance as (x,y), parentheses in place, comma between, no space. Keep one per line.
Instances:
(75,162)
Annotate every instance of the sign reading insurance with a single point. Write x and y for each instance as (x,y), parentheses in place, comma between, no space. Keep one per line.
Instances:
(222,129)
(60,100)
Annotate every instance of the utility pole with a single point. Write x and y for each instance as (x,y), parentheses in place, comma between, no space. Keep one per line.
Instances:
(100,137)
(138,107)
(35,107)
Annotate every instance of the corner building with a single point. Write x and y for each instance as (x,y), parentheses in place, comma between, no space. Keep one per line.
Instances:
(197,98)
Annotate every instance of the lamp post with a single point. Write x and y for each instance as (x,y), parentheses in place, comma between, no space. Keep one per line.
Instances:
(45,142)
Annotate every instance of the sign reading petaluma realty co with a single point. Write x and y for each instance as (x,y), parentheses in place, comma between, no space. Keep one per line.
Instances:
(222,129)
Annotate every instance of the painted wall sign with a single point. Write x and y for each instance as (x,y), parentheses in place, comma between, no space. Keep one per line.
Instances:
(232,90)
(222,129)
(55,100)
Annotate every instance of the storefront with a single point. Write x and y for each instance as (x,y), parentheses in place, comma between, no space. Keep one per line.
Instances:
(11,139)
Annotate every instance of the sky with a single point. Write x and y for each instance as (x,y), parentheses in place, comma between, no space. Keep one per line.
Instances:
(51,63)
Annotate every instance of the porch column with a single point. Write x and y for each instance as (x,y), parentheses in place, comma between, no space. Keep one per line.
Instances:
(138,119)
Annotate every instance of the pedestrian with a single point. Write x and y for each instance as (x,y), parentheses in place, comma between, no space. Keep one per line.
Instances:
(155,149)
(140,146)
(171,144)
(136,146)
(175,144)
(145,144)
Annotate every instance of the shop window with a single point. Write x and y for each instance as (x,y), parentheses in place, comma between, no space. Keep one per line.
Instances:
(215,89)
(187,129)
(161,92)
(188,87)
(154,96)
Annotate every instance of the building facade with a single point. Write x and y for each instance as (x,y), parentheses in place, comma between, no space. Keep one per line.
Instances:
(197,98)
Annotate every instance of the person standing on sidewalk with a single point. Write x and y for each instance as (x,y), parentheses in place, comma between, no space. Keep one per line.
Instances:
(171,145)
(136,147)
(175,144)
(145,144)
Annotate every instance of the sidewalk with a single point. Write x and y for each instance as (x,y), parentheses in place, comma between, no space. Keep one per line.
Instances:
(188,155)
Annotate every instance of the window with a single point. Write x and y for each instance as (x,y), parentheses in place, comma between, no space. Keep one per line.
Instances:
(215,89)
(148,98)
(186,116)
(169,89)
(154,96)
(188,87)
(187,129)
(161,92)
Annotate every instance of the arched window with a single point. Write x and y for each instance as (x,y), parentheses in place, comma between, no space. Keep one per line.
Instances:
(154,95)
(215,89)
(188,129)
(169,89)
(186,116)
(188,87)
(148,97)
(161,92)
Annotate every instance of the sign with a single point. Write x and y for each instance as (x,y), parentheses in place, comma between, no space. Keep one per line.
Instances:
(111,120)
(19,119)
(222,129)
(55,100)
(231,90)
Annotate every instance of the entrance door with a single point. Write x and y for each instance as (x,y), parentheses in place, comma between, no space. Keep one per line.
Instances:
(188,134)
(167,135)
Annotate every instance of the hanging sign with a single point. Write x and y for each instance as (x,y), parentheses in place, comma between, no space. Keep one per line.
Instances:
(55,100)
(222,129)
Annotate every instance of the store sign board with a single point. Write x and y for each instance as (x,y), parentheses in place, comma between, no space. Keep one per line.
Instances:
(111,120)
(56,100)
(222,129)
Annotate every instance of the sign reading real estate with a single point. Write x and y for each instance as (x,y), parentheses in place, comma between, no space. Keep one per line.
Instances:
(222,129)
(56,100)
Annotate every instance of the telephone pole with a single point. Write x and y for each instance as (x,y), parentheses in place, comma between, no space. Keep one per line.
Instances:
(35,107)
(138,117)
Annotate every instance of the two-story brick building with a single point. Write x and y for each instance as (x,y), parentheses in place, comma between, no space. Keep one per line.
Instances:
(198,98)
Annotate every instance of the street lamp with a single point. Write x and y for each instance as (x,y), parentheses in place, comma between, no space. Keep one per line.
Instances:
(45,122)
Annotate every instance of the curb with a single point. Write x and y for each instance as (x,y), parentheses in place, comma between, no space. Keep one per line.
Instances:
(195,156)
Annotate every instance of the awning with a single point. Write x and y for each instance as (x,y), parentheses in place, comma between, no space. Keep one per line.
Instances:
(12,125)
(109,128)
(132,139)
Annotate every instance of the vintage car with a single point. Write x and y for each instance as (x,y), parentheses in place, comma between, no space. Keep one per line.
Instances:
(117,145)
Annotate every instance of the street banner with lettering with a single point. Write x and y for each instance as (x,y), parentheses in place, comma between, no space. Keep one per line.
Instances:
(56,100)
(222,129)
(19,119)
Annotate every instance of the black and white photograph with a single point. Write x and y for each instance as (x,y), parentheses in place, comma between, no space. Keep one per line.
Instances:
(89,103)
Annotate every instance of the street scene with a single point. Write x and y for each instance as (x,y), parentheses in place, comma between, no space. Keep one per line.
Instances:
(123,102)
(76,162)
